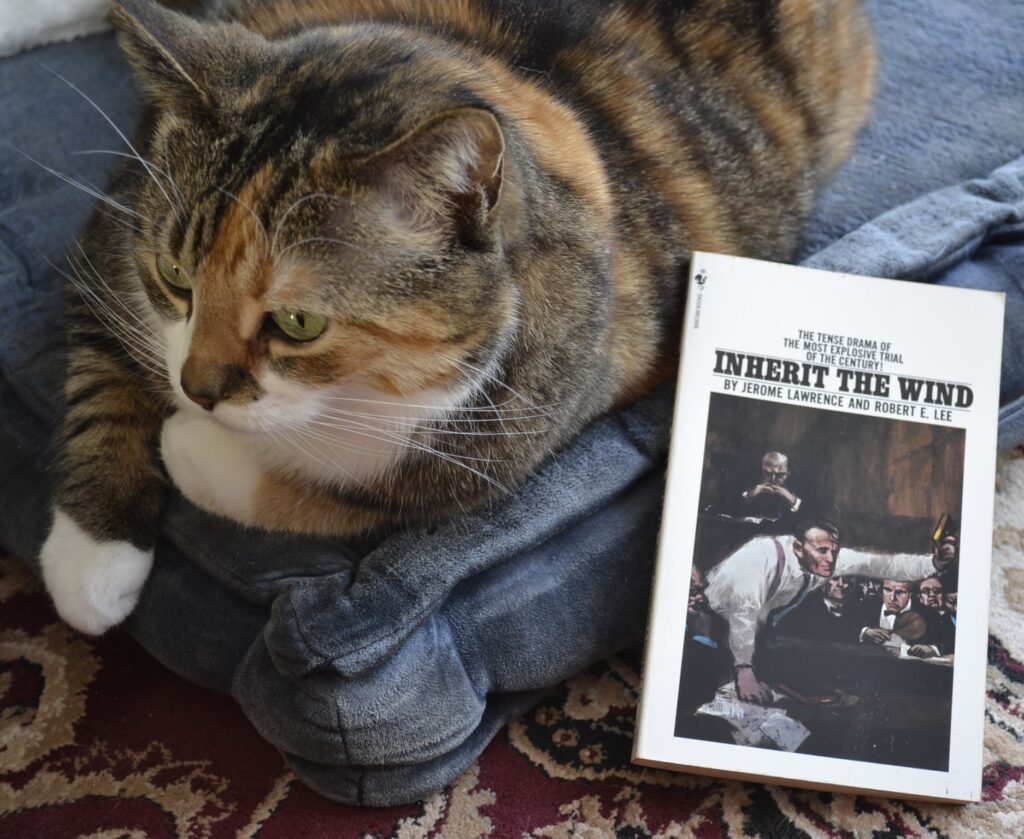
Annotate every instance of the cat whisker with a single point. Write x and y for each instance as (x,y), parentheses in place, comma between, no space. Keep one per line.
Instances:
(376,433)
(139,347)
(149,379)
(80,283)
(146,164)
(369,430)
(297,203)
(144,333)
(473,368)
(288,438)
(409,424)
(164,172)
(98,195)
(251,211)
(311,435)
(483,392)
(293,441)
(115,321)
(124,223)
(341,242)
(452,416)
(404,437)
(504,432)
(528,412)
(139,353)
(334,443)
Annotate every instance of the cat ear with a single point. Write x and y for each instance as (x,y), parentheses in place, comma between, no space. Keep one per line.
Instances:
(448,173)
(176,58)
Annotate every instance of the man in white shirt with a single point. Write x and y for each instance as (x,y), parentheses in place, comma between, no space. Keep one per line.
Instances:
(770,575)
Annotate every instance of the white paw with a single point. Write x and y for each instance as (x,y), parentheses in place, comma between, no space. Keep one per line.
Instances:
(215,468)
(94,585)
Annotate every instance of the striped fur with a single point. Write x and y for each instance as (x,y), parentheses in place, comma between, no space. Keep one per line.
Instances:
(492,203)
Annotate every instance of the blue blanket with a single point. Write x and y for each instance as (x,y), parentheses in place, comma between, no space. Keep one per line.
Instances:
(382,670)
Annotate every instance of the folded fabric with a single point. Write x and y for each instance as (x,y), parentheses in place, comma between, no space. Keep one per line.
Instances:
(382,670)
(970,235)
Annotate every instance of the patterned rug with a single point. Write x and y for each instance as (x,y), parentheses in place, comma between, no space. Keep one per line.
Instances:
(98,740)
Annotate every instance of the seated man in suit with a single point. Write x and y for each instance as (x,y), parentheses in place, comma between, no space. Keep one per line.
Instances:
(931,593)
(827,615)
(898,614)
(771,498)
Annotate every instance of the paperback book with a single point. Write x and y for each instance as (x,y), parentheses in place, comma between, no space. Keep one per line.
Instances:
(820,607)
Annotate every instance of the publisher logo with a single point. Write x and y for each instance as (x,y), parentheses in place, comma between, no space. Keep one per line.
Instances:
(699,281)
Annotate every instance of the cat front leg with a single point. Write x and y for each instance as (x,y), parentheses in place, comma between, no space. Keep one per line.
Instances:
(109,489)
(214,467)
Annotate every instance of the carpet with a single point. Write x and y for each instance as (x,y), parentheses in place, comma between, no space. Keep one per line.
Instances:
(98,740)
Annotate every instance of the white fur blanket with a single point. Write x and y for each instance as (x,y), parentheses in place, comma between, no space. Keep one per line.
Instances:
(29,23)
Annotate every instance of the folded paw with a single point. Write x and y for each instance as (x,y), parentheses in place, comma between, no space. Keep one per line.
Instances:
(215,468)
(94,585)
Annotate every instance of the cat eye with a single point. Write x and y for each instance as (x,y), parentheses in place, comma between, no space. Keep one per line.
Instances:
(299,326)
(174,275)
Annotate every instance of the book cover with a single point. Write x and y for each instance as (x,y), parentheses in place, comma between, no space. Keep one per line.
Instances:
(820,606)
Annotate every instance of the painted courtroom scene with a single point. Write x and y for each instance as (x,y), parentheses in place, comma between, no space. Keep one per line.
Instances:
(822,609)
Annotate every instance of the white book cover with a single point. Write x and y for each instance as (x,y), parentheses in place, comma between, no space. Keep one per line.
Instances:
(820,607)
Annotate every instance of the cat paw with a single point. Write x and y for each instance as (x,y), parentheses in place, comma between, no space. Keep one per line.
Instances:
(94,585)
(214,467)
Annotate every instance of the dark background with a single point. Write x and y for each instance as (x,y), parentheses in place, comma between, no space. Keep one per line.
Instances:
(884,481)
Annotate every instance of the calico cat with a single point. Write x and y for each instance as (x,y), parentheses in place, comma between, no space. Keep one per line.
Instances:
(373,261)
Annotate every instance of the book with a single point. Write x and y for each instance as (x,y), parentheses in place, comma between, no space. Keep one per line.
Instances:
(819,615)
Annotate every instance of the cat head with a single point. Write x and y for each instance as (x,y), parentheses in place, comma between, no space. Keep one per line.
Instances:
(322,216)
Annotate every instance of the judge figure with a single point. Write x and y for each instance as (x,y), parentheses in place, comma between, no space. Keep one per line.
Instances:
(771,498)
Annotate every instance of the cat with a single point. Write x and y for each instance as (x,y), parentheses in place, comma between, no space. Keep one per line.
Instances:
(372,262)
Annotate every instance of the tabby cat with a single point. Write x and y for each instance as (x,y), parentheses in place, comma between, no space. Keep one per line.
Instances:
(373,261)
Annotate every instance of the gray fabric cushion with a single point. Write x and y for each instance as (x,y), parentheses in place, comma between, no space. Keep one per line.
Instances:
(382,670)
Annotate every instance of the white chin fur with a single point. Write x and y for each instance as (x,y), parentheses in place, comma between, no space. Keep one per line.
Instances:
(94,585)
(353,433)
(214,467)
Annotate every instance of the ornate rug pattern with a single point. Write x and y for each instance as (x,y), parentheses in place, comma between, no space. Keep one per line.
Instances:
(98,740)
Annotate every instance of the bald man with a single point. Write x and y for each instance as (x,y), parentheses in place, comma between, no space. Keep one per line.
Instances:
(770,498)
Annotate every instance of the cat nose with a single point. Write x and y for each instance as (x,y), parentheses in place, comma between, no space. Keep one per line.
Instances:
(207,383)
(200,383)
(204,400)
